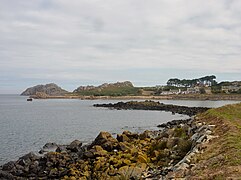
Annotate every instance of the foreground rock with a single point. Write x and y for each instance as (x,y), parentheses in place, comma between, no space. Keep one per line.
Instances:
(44,90)
(149,155)
(153,105)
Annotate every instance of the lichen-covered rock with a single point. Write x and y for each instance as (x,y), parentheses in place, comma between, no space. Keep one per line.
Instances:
(123,146)
(122,138)
(145,134)
(106,141)
(129,156)
(131,135)
(74,146)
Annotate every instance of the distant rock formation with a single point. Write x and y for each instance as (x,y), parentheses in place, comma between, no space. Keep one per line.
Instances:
(104,86)
(39,95)
(48,89)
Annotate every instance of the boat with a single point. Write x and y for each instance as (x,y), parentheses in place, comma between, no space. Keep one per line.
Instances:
(29,99)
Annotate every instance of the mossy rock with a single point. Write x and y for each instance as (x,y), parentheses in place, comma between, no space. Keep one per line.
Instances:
(122,138)
(172,142)
(142,158)
(184,146)
(130,172)
(143,142)
(158,145)
(123,146)
(164,154)
(113,160)
(127,155)
(130,135)
(180,132)
(145,134)
(126,161)
(98,151)
(134,151)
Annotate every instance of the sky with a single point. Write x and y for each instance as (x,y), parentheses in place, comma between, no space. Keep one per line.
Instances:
(89,42)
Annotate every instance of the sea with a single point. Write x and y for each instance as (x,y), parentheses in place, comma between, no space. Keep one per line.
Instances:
(26,126)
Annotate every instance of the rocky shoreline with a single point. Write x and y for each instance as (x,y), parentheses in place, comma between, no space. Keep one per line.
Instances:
(162,154)
(156,106)
(199,97)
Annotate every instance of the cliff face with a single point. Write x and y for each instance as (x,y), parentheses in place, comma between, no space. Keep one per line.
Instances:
(104,86)
(49,89)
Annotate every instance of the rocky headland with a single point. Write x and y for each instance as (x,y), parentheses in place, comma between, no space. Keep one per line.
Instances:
(43,91)
(108,89)
(154,105)
(104,86)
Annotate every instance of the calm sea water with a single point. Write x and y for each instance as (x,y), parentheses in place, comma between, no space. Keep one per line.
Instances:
(27,126)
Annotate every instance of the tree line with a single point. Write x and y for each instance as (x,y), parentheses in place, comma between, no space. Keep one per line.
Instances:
(206,81)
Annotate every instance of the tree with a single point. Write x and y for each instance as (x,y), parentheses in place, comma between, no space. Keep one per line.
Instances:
(206,80)
(173,82)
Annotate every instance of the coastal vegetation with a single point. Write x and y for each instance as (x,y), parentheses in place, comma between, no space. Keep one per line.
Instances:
(222,157)
(227,87)
(206,80)
(121,91)
(110,91)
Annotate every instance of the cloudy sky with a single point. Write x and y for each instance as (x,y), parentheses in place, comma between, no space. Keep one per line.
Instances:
(80,42)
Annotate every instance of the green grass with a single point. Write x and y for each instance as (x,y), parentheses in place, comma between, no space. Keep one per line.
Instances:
(223,155)
(231,115)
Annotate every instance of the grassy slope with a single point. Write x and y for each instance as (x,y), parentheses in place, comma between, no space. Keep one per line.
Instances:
(222,157)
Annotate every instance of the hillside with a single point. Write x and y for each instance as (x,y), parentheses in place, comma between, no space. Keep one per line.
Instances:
(111,89)
(50,89)
(221,158)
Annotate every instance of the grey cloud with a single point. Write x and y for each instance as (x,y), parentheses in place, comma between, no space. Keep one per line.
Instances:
(59,36)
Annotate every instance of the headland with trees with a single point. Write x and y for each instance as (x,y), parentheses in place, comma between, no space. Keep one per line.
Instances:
(202,88)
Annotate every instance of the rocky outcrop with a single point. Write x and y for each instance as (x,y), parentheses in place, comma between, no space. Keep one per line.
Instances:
(40,95)
(153,105)
(44,90)
(202,134)
(104,86)
(164,154)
